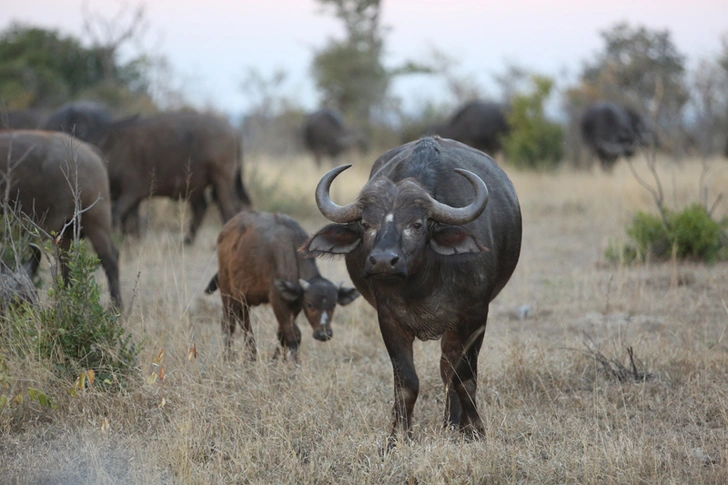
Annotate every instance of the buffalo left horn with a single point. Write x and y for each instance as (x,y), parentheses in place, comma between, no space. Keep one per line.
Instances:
(327,207)
(460,215)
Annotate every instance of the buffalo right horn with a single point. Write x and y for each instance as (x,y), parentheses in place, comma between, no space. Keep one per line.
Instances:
(329,209)
(460,215)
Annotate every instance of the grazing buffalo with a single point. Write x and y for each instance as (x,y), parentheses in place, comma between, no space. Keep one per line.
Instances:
(432,238)
(17,286)
(479,124)
(86,120)
(258,263)
(21,119)
(612,131)
(175,155)
(51,177)
(324,134)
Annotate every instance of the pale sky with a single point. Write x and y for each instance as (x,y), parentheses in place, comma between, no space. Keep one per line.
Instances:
(210,43)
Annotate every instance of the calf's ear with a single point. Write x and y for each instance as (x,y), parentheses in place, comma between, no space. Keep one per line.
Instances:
(291,291)
(332,240)
(346,295)
(450,240)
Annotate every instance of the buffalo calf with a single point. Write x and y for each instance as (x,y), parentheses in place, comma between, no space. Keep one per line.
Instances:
(259,262)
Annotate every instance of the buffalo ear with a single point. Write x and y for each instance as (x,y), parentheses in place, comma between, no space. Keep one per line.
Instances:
(346,295)
(290,291)
(450,240)
(332,239)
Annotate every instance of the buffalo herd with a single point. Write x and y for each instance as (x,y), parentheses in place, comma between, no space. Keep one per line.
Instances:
(430,240)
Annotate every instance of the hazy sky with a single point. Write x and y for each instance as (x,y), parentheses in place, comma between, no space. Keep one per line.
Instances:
(210,43)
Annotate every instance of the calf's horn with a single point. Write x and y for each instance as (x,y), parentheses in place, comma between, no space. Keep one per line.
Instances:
(327,207)
(460,215)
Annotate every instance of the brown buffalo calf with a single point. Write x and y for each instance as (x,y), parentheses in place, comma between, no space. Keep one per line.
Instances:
(259,262)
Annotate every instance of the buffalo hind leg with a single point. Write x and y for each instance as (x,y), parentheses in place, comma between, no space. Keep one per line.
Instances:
(199,207)
(236,312)
(227,199)
(108,254)
(406,383)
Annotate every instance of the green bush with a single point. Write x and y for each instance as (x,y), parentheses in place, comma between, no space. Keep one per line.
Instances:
(73,332)
(689,234)
(78,332)
(533,142)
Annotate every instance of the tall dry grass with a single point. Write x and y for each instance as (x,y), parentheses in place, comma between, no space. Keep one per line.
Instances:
(554,414)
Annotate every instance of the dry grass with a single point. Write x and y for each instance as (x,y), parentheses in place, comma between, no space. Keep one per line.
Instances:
(553,415)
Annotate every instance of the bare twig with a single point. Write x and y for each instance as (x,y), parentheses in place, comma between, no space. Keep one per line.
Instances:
(613,366)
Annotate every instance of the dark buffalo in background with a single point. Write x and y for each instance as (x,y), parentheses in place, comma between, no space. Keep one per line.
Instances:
(16,285)
(429,246)
(259,262)
(325,134)
(86,120)
(39,166)
(479,124)
(21,119)
(611,131)
(176,155)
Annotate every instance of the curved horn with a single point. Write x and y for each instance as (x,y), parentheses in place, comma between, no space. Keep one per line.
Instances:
(460,215)
(329,209)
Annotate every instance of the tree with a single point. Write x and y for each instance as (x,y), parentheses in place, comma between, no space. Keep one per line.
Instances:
(349,72)
(640,67)
(41,68)
(533,141)
(273,120)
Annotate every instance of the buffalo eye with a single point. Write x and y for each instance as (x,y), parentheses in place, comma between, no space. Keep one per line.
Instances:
(365,225)
(417,226)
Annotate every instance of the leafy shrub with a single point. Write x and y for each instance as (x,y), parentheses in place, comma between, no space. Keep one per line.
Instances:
(73,331)
(689,234)
(533,142)
(78,332)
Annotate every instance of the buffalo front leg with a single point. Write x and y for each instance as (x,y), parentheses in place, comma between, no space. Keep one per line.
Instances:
(459,371)
(406,383)
(289,335)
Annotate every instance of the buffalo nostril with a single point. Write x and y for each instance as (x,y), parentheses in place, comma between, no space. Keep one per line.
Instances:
(394,260)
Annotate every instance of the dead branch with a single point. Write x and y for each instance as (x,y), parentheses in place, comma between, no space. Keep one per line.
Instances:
(613,366)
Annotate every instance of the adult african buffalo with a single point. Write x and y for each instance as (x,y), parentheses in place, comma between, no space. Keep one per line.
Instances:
(428,248)
(44,170)
(21,119)
(86,120)
(258,263)
(324,133)
(612,131)
(479,124)
(175,155)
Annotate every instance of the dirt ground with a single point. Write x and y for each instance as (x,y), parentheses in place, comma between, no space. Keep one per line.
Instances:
(554,412)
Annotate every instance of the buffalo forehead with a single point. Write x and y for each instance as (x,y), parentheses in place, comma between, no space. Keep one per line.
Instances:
(384,197)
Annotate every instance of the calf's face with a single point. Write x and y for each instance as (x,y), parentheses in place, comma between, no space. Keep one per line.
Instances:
(317,298)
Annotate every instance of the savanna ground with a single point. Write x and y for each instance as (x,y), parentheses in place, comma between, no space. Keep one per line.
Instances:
(554,413)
